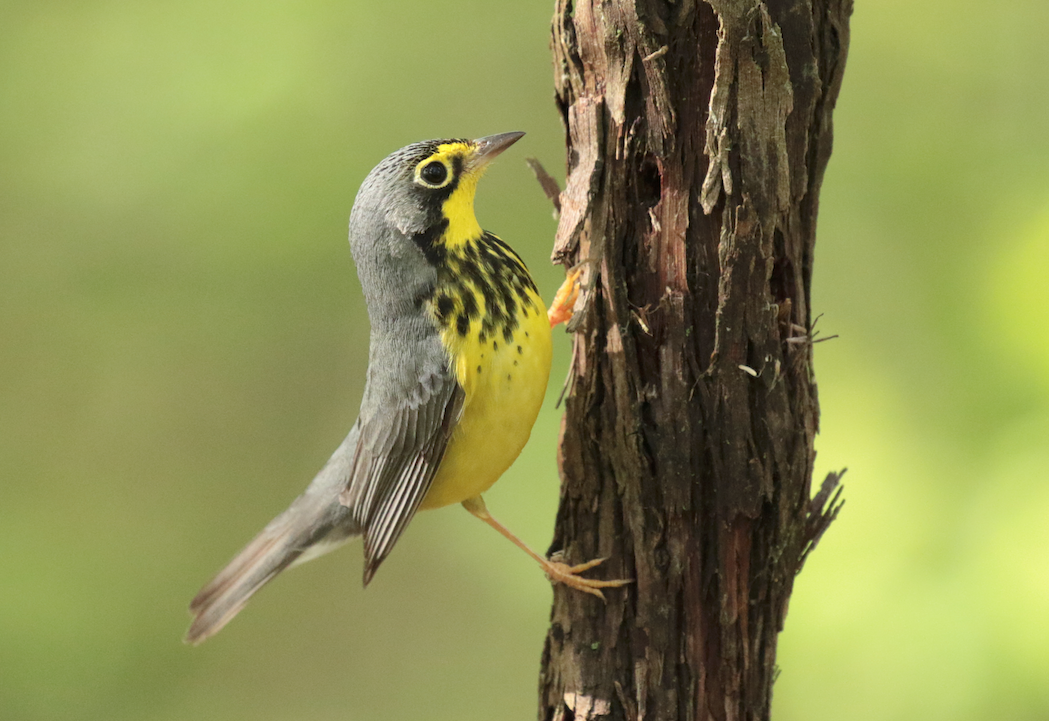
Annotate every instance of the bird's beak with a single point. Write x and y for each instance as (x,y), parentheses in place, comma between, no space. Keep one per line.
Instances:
(486,148)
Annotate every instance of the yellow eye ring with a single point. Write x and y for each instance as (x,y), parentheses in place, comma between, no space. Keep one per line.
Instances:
(433,173)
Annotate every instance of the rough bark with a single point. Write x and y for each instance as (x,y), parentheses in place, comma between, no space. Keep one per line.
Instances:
(697,137)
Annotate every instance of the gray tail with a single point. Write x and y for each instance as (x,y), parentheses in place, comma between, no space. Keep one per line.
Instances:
(313,525)
(271,552)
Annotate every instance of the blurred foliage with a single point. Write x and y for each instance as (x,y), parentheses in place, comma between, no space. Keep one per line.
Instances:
(183,343)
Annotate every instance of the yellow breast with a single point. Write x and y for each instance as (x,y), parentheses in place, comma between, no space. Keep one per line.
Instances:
(503,366)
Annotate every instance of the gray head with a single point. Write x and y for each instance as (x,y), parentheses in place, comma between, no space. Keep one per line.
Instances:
(412,203)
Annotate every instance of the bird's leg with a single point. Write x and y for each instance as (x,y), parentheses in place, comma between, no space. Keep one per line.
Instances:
(561,306)
(555,571)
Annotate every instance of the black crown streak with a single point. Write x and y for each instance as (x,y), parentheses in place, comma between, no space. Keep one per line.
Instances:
(485,268)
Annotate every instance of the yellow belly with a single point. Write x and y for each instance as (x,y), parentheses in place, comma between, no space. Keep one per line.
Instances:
(504,384)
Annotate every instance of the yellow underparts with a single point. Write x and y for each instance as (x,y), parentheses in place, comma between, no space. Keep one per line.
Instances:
(502,403)
(504,388)
(503,371)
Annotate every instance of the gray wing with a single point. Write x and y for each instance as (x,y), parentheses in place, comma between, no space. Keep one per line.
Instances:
(398,453)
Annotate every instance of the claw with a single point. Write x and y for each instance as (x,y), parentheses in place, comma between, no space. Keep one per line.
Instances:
(556,571)
(568,575)
(587,566)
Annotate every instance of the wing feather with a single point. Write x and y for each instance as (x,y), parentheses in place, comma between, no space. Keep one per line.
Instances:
(398,453)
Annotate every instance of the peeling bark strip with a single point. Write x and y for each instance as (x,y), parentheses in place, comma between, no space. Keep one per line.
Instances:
(697,138)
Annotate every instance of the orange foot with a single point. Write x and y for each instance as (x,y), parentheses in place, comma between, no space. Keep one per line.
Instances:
(561,307)
(556,571)
(559,572)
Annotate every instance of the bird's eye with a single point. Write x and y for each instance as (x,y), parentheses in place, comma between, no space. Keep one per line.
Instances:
(434,173)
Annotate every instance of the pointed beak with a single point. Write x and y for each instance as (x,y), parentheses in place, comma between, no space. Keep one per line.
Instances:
(486,148)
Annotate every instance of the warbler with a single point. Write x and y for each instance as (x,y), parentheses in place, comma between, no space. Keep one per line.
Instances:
(458,364)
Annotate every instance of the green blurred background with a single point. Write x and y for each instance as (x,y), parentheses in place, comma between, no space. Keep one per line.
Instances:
(182,342)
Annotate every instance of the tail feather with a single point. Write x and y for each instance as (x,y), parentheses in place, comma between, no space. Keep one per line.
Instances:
(218,602)
(314,524)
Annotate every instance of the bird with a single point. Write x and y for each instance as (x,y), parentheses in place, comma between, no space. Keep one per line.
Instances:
(458,363)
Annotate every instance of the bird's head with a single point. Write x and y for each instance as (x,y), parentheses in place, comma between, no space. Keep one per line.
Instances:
(423,185)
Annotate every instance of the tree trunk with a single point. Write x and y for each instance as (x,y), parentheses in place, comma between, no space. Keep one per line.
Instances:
(697,135)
